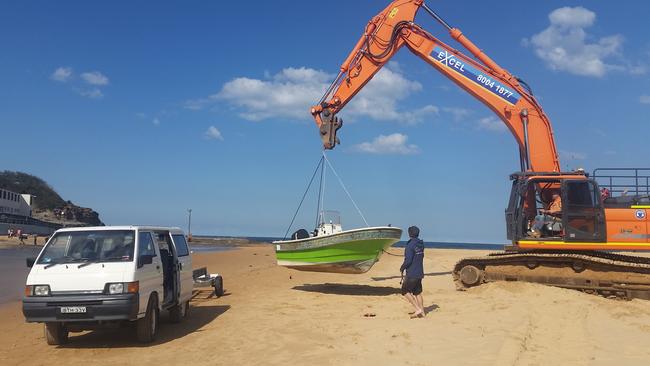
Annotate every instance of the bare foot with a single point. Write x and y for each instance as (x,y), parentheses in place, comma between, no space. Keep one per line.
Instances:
(417,314)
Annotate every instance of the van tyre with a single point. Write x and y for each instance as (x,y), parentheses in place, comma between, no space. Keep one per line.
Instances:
(218,286)
(179,312)
(56,334)
(147,327)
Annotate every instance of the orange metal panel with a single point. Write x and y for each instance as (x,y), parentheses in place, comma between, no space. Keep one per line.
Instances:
(626,225)
(540,244)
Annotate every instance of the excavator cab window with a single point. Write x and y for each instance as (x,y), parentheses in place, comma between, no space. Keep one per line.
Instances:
(527,200)
(583,215)
(514,216)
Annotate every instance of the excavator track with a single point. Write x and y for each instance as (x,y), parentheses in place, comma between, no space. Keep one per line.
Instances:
(601,273)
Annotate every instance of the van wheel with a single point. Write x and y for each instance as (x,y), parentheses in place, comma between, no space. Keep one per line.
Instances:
(218,286)
(56,334)
(147,327)
(179,312)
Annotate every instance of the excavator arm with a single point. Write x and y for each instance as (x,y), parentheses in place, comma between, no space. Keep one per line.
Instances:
(504,94)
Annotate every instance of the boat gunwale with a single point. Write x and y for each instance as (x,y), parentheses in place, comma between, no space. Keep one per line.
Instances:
(392,228)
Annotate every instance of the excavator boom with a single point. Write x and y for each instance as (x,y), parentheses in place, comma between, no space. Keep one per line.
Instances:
(483,78)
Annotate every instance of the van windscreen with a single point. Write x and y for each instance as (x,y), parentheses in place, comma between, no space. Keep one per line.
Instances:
(92,245)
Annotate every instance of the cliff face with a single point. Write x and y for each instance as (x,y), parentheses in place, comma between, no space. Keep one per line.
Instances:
(48,205)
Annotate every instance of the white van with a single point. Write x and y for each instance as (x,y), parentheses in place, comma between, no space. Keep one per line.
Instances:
(94,276)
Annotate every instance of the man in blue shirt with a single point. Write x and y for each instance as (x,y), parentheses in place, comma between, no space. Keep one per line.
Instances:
(413,265)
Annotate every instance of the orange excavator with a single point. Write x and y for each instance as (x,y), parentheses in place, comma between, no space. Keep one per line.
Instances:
(571,246)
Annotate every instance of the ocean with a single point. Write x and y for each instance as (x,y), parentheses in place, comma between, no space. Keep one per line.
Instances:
(400,244)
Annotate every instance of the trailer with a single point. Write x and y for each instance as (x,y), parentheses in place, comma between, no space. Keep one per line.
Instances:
(204,279)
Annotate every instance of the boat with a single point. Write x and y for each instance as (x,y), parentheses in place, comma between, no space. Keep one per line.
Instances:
(331,249)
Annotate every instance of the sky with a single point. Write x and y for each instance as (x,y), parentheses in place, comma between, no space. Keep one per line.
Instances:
(143,110)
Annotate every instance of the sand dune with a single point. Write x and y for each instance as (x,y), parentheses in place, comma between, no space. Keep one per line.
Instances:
(272,315)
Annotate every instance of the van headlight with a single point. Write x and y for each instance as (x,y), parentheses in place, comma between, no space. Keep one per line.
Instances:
(37,290)
(122,288)
(115,288)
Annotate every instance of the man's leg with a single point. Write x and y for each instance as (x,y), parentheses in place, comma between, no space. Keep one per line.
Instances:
(418,312)
(411,299)
(407,292)
(420,302)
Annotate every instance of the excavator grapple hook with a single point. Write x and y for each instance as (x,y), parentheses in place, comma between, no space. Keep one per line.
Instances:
(330,124)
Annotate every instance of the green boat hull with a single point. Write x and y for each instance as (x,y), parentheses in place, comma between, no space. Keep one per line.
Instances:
(354,251)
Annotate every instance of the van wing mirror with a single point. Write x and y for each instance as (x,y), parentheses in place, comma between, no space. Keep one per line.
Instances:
(145,259)
(30,262)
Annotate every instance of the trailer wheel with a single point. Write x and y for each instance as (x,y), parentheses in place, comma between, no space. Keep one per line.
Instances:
(147,327)
(218,286)
(56,334)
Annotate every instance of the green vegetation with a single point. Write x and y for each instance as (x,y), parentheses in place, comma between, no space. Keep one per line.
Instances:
(46,197)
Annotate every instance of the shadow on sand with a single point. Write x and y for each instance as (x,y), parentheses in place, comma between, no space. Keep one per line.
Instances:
(430,308)
(348,289)
(426,275)
(126,337)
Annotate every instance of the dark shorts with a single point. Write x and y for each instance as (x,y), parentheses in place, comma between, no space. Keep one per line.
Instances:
(412,285)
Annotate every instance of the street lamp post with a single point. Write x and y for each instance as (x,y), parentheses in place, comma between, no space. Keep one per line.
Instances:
(189,225)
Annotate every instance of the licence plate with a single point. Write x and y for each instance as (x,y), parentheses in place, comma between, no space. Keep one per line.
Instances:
(73,309)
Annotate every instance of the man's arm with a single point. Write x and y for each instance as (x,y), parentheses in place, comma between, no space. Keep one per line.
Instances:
(556,207)
(408,257)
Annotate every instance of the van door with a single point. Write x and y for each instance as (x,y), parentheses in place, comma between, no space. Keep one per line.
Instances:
(583,216)
(149,275)
(170,268)
(184,266)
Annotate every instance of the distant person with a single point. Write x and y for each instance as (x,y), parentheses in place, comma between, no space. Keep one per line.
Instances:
(604,194)
(413,265)
(19,233)
(546,216)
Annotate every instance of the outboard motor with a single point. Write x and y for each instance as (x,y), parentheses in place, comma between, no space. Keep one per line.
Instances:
(300,234)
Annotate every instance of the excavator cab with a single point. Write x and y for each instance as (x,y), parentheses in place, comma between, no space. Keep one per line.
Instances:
(581,218)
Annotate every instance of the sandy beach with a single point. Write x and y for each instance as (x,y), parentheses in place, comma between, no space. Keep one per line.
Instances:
(272,315)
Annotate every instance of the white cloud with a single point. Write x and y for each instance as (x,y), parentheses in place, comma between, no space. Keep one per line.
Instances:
(198,104)
(156,122)
(392,144)
(379,99)
(62,74)
(566,46)
(95,78)
(644,99)
(93,93)
(288,94)
(572,155)
(291,92)
(572,17)
(213,134)
(492,124)
(458,114)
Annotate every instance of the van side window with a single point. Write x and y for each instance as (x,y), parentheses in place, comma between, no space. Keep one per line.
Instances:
(181,245)
(145,245)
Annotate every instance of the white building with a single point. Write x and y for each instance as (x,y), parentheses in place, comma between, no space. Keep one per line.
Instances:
(15,204)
